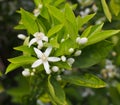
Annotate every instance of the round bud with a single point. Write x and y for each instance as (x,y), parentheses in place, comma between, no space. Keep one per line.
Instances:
(63,58)
(55,68)
(78,52)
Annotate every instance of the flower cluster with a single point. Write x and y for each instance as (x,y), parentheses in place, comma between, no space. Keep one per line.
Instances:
(44,54)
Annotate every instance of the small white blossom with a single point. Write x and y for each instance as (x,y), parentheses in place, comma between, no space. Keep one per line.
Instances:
(62,40)
(55,68)
(21,36)
(36,12)
(71,50)
(39,37)
(63,58)
(78,52)
(81,40)
(43,58)
(26,72)
(70,61)
(32,74)
(59,78)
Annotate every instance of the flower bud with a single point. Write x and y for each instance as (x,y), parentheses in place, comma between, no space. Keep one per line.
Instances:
(71,50)
(78,52)
(21,36)
(71,61)
(63,58)
(55,68)
(83,40)
(26,72)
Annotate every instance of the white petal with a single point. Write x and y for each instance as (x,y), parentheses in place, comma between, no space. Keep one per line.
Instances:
(40,43)
(48,51)
(53,59)
(38,52)
(36,34)
(37,63)
(45,38)
(32,41)
(47,67)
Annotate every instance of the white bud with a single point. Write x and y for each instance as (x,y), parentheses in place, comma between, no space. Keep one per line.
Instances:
(40,6)
(59,78)
(83,40)
(71,61)
(63,58)
(36,12)
(21,36)
(34,70)
(71,50)
(26,72)
(77,40)
(78,52)
(32,74)
(55,68)
(62,40)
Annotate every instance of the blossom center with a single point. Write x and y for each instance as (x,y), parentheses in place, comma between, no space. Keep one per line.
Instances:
(39,37)
(44,58)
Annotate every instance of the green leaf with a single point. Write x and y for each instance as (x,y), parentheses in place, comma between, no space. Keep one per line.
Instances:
(97,37)
(87,80)
(115,7)
(12,67)
(28,21)
(22,60)
(106,10)
(64,65)
(71,22)
(56,92)
(56,13)
(83,20)
(25,49)
(93,54)
(54,42)
(64,47)
(54,30)
(20,27)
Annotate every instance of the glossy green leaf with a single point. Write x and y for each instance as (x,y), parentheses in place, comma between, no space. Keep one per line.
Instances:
(22,60)
(71,24)
(56,13)
(87,80)
(25,49)
(54,30)
(29,22)
(115,7)
(93,54)
(12,67)
(56,92)
(64,47)
(106,10)
(83,20)
(97,37)
(64,65)
(54,42)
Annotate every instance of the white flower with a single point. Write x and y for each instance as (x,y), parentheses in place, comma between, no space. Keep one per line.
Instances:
(71,61)
(71,50)
(81,40)
(36,12)
(55,68)
(43,58)
(26,72)
(78,52)
(21,36)
(39,37)
(63,58)
(59,77)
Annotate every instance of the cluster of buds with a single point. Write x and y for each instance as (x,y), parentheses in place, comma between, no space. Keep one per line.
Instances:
(43,54)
